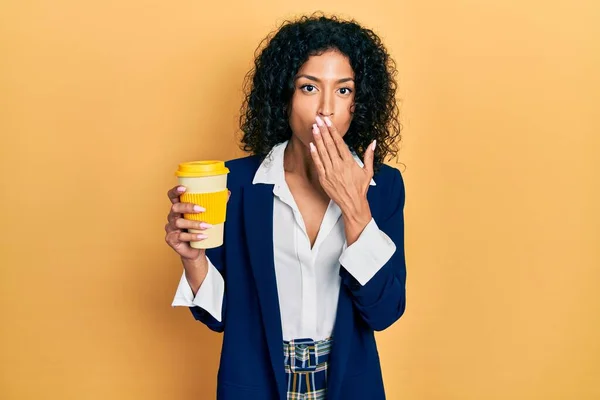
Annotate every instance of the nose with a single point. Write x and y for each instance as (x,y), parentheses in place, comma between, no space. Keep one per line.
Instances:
(326,105)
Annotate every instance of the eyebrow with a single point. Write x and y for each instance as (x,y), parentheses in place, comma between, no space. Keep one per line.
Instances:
(312,78)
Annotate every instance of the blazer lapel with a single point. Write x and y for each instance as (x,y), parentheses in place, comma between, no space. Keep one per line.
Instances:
(258,224)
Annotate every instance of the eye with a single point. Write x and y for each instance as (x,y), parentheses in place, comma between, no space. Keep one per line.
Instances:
(345,91)
(308,88)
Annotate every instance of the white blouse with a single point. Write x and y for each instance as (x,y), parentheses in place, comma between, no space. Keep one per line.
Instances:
(308,280)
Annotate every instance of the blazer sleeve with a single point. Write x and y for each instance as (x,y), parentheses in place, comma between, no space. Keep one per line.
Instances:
(382,299)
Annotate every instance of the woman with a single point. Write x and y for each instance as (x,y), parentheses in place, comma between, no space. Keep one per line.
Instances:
(313,256)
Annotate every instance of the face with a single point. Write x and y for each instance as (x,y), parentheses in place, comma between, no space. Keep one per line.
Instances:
(323,86)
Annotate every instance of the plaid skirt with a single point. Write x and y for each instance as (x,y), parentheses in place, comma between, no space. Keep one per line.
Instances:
(306,363)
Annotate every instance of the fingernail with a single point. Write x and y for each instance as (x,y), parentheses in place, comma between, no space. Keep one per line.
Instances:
(374,144)
(315,129)
(204,225)
(328,121)
(201,236)
(319,121)
(312,147)
(181,189)
(199,209)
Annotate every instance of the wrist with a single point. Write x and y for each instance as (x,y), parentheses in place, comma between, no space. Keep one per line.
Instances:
(197,262)
(195,271)
(355,220)
(357,212)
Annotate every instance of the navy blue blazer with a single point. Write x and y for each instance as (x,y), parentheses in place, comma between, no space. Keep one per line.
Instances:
(252,360)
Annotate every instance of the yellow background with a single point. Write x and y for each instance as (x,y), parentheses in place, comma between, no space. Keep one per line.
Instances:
(99,101)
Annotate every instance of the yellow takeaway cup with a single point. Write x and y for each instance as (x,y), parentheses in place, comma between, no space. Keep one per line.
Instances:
(206,185)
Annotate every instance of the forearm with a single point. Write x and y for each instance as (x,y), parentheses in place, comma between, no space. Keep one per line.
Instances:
(373,269)
(383,299)
(379,294)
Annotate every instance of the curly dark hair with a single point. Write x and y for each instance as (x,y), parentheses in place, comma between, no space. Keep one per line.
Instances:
(269,85)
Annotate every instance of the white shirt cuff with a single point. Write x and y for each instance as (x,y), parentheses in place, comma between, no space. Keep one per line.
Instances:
(365,257)
(209,296)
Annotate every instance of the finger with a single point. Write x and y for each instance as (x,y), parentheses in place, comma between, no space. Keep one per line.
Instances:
(338,140)
(182,223)
(191,237)
(172,216)
(328,140)
(172,238)
(175,193)
(369,157)
(177,209)
(317,160)
(176,238)
(321,149)
(187,208)
(182,248)
(170,227)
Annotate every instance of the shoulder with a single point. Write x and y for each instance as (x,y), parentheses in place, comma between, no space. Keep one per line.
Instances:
(242,170)
(390,189)
(387,177)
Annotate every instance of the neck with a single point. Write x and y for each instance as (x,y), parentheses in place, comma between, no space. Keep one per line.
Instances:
(298,161)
